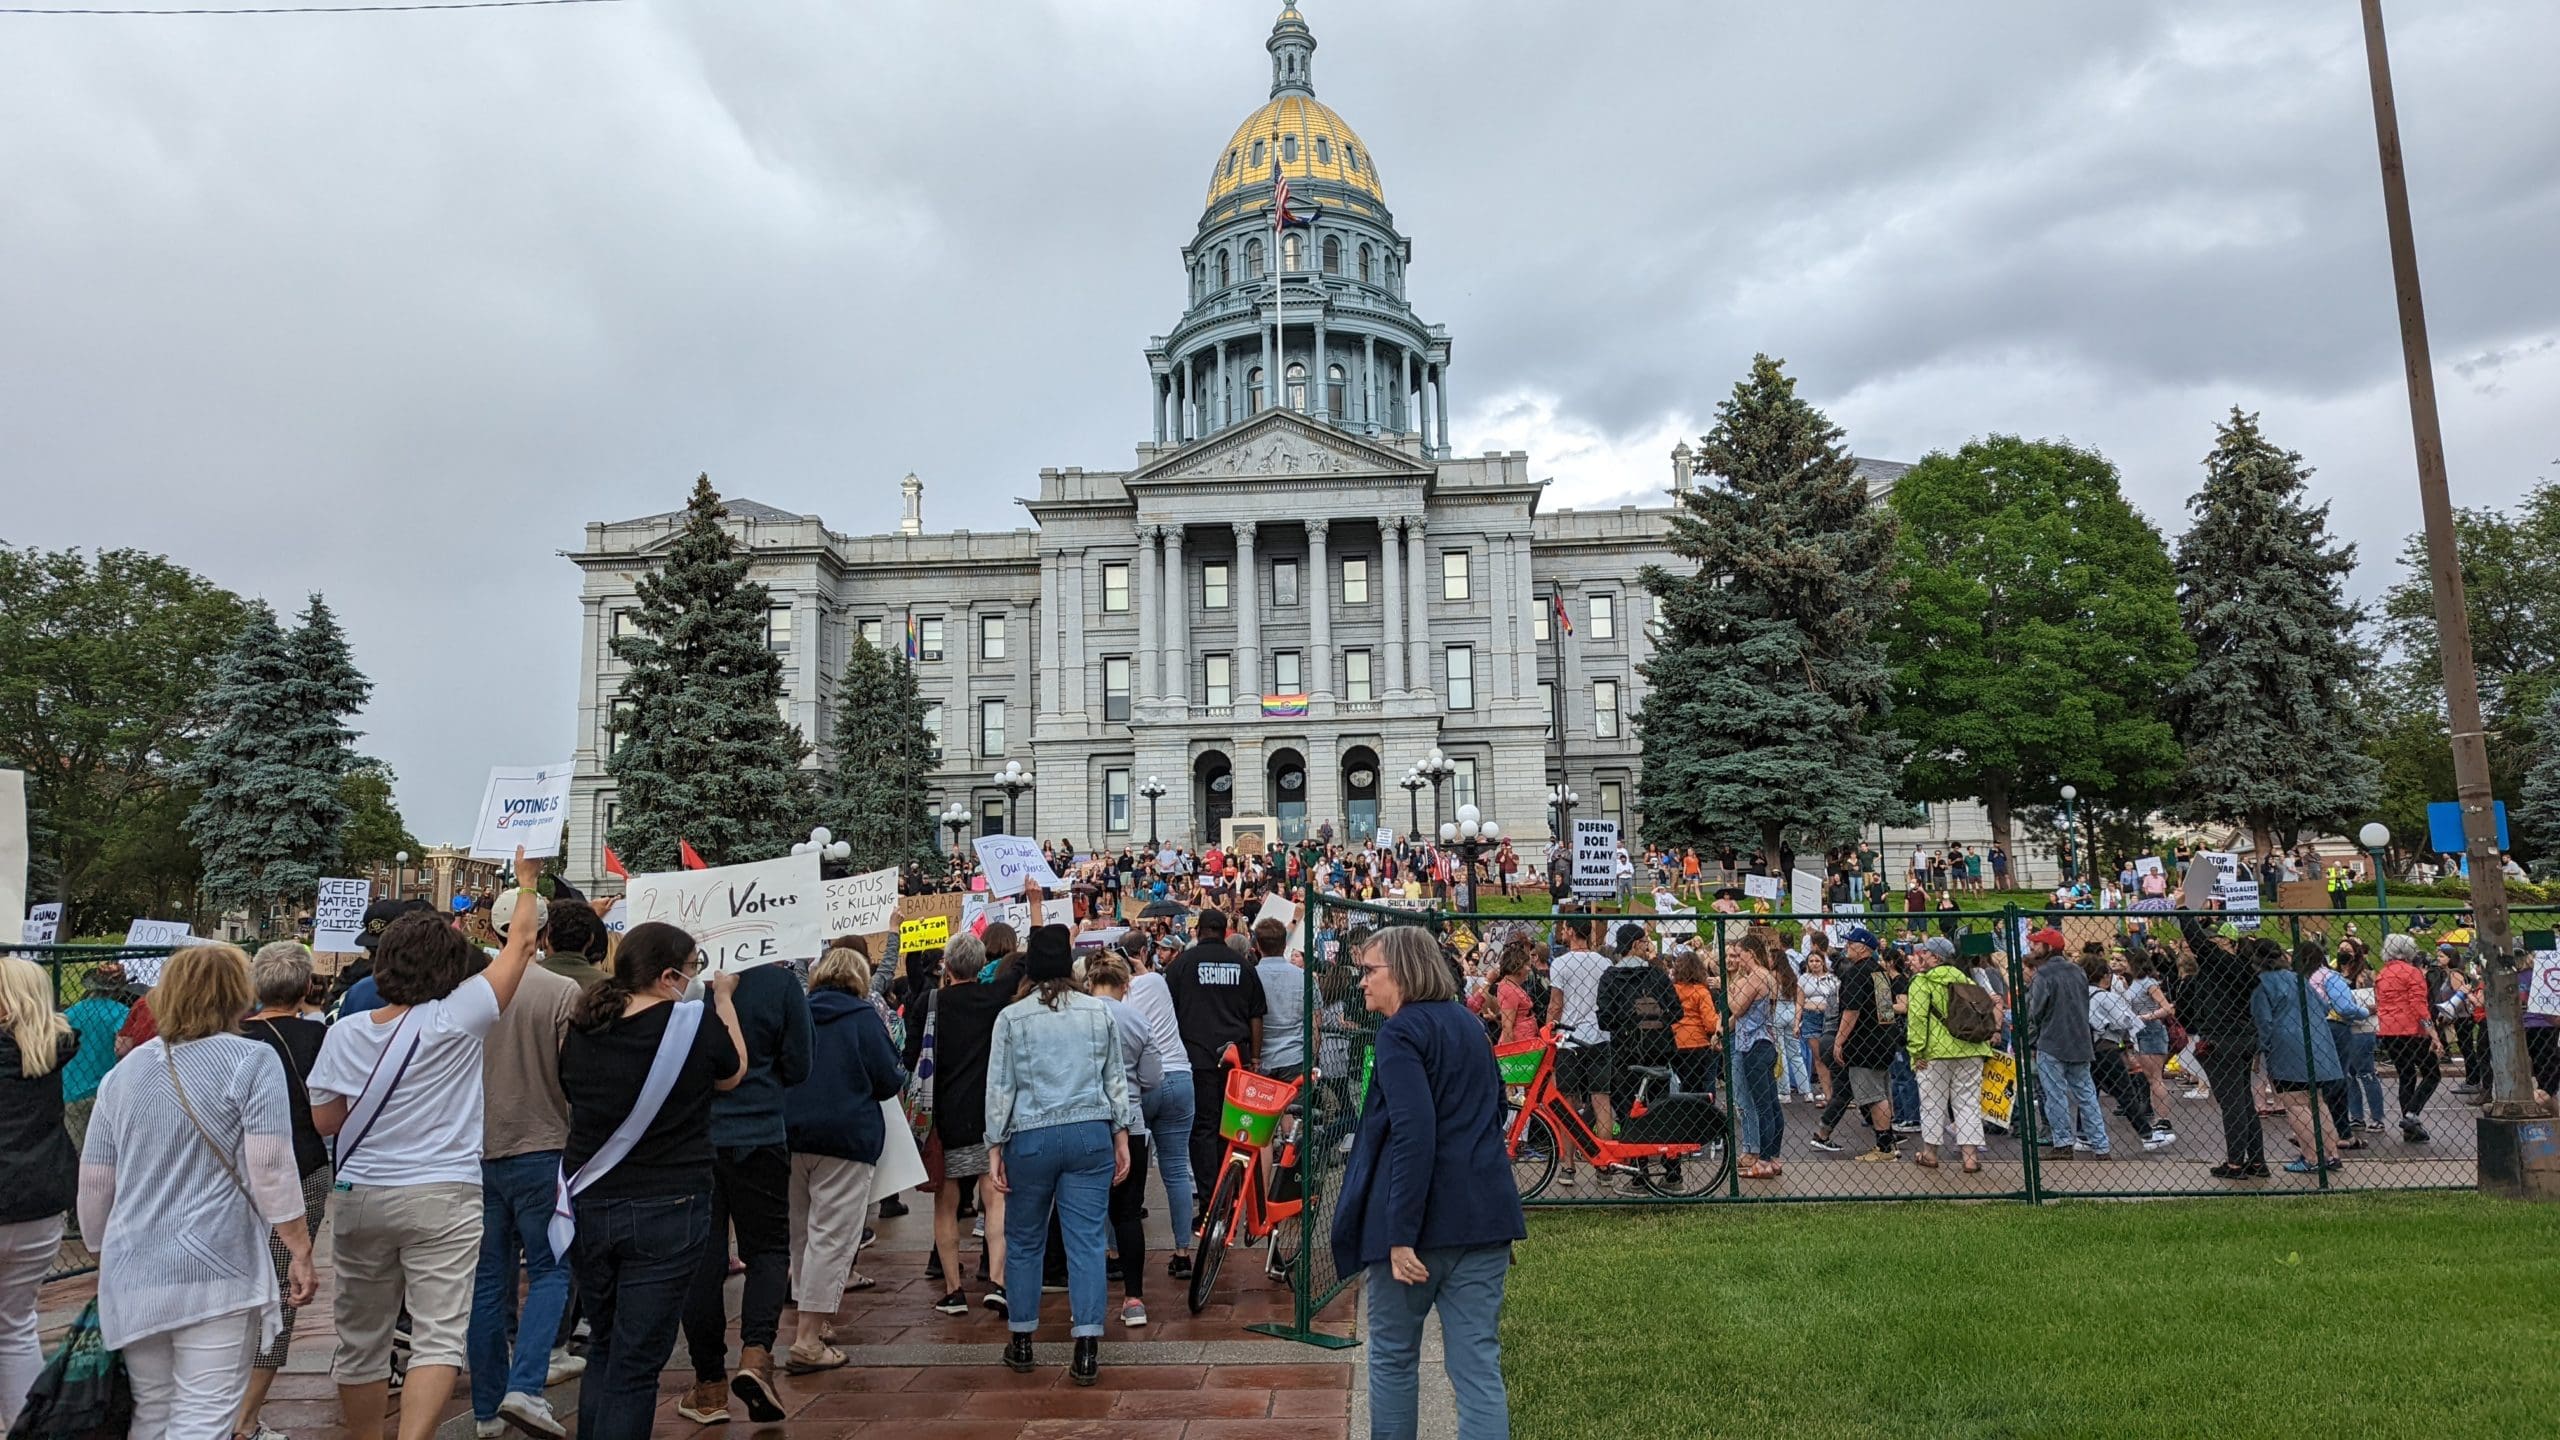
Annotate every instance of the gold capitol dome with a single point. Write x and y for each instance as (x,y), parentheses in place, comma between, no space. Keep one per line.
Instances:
(1295,129)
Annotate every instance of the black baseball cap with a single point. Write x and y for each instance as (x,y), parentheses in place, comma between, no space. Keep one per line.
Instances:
(378,917)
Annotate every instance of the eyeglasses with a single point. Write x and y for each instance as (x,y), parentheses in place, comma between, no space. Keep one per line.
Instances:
(1372,969)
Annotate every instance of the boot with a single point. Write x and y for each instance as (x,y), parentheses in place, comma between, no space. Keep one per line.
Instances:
(1017,1353)
(753,1385)
(1086,1367)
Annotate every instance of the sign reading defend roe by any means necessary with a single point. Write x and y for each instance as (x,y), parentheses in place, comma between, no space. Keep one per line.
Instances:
(742,916)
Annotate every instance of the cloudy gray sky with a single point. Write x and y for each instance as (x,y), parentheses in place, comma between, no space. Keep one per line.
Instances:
(388,306)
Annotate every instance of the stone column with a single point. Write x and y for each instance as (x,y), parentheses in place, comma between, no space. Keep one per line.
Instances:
(1047,620)
(1182,402)
(1270,369)
(1245,592)
(1316,377)
(1150,619)
(1157,382)
(1218,403)
(1176,636)
(1440,402)
(1417,565)
(1320,613)
(1391,548)
(1368,380)
(1524,633)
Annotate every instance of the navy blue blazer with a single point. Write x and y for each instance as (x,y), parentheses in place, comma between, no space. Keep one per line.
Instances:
(1428,1167)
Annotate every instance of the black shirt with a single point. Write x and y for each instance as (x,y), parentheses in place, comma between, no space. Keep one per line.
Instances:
(296,1042)
(39,1171)
(601,1071)
(1870,1046)
(964,1030)
(1216,998)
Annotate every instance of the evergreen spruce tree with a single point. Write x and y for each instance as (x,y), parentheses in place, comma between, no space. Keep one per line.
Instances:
(877,794)
(706,756)
(264,820)
(2537,825)
(2269,716)
(325,690)
(1769,681)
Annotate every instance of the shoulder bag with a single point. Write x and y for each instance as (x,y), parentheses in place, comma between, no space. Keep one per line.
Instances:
(920,1100)
(674,1047)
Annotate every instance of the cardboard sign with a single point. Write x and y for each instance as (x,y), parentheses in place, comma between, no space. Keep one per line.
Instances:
(2542,985)
(1762,887)
(931,932)
(43,924)
(1385,839)
(13,850)
(1595,858)
(862,904)
(337,916)
(527,807)
(742,916)
(1010,860)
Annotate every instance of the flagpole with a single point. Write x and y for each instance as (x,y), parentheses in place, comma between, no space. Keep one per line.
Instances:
(1278,394)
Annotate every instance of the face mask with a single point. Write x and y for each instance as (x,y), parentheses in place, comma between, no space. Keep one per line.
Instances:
(694,988)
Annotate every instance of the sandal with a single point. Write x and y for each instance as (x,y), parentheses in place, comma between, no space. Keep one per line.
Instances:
(1760,1171)
(859,1281)
(1924,1160)
(796,1361)
(1972,1166)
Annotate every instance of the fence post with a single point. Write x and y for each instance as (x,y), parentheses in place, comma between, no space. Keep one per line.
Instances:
(2022,1107)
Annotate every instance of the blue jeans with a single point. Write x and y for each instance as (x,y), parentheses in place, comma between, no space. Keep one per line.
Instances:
(1168,1114)
(2070,1098)
(2364,1082)
(634,1260)
(1760,1093)
(515,1207)
(1905,1088)
(1070,1166)
(1466,1288)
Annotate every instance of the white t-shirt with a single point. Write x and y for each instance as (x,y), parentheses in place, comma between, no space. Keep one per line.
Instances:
(1149,996)
(429,1132)
(1575,974)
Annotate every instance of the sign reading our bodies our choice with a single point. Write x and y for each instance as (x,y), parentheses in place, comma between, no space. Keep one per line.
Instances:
(1010,860)
(522,807)
(742,916)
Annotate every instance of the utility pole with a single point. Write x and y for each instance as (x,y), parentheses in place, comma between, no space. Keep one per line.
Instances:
(2502,1165)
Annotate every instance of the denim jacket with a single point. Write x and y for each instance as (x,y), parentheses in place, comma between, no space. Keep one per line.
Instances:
(1056,1067)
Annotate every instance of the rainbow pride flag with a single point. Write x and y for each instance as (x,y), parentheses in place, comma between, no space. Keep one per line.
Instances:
(1284,707)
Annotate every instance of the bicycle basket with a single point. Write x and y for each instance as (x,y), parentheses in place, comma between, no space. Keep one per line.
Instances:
(1255,1104)
(1519,1060)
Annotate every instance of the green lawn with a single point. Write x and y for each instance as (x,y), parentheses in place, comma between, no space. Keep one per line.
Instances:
(2355,1314)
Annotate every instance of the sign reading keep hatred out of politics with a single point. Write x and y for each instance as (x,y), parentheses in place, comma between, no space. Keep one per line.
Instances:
(522,807)
(862,904)
(1009,860)
(1595,858)
(337,917)
(742,916)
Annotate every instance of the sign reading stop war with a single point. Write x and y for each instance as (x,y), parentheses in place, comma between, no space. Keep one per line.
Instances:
(742,916)
(862,904)
(522,806)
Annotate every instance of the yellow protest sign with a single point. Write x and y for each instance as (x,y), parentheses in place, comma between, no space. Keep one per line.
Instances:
(930,932)
(1999,1087)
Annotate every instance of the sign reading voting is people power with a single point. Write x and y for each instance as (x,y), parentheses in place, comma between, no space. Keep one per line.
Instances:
(1009,860)
(742,916)
(522,807)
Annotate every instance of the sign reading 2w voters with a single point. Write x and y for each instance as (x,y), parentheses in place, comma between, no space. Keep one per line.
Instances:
(741,915)
(522,807)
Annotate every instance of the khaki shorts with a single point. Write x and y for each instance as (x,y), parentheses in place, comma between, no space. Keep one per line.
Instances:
(1869,1087)
(416,1246)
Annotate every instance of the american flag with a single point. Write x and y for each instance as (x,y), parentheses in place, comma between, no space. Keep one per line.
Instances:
(1564,617)
(1280,213)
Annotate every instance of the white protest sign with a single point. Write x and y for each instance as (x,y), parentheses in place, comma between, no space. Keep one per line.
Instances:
(975,917)
(337,916)
(1595,858)
(900,1164)
(43,924)
(1763,887)
(172,933)
(1685,923)
(2542,987)
(13,850)
(742,916)
(2147,865)
(1807,885)
(1385,839)
(2239,897)
(1284,910)
(862,904)
(617,919)
(1010,860)
(524,807)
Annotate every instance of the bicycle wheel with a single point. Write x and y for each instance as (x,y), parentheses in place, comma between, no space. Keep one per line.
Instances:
(1533,1160)
(1213,1236)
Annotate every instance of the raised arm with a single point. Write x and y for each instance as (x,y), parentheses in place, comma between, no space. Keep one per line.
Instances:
(507,971)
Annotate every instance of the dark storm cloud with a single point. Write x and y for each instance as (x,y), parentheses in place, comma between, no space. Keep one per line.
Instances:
(390,306)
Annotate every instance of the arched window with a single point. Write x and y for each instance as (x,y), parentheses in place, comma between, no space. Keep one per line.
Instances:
(1289,257)
(1294,380)
(1226,270)
(1253,391)
(1289,149)
(1324,151)
(1257,154)
(1332,255)
(1352,154)
(1368,266)
(1231,164)
(1337,389)
(1253,259)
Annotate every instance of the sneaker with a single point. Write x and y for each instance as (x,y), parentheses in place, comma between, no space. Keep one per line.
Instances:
(1569,1179)
(1824,1142)
(2096,1155)
(2160,1139)
(480,1430)
(994,1299)
(893,1207)
(1906,1127)
(1179,1267)
(1053,1287)
(932,1265)
(1878,1157)
(1133,1313)
(565,1367)
(532,1415)
(955,1303)
(978,1228)
(706,1404)
(2199,1094)
(2411,1131)
(2060,1152)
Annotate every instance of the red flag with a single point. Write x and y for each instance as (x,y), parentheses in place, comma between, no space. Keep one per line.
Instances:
(613,864)
(684,852)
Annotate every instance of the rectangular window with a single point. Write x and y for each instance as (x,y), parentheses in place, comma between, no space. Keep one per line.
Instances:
(1284,582)
(1115,589)
(1213,586)
(1115,801)
(1547,702)
(1613,803)
(1539,619)
(617,726)
(1217,680)
(777,629)
(1461,663)
(929,639)
(1462,786)
(1453,574)
(1115,687)
(1355,677)
(933,729)
(1604,617)
(990,637)
(870,632)
(991,815)
(626,623)
(1604,709)
(1355,580)
(991,728)
(610,809)
(1284,672)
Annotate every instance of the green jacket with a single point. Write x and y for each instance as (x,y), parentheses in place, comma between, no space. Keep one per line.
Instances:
(1927,1016)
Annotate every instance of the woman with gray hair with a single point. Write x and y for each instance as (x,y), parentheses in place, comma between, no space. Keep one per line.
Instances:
(1427,1205)
(2402,1018)
(833,1122)
(949,1032)
(280,975)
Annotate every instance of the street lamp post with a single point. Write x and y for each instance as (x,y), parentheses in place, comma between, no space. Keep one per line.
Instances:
(955,818)
(2070,867)
(2377,839)
(399,867)
(1012,780)
(1154,791)
(823,843)
(1471,835)
(1435,768)
(1413,783)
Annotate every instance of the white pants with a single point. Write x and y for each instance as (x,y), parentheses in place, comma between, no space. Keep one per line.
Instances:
(1955,1084)
(829,1199)
(27,1250)
(188,1383)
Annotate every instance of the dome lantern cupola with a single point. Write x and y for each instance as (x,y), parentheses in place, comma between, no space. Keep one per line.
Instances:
(1293,51)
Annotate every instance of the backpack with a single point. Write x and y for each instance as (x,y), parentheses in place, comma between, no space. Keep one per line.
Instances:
(1971,1016)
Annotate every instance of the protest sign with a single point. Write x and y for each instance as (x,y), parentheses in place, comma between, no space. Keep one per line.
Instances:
(617,919)
(522,806)
(1595,858)
(172,933)
(1807,887)
(2147,865)
(930,932)
(43,924)
(1762,887)
(742,916)
(899,1163)
(2542,985)
(1999,1087)
(862,904)
(1010,860)
(337,916)
(2239,896)
(1675,921)
(13,850)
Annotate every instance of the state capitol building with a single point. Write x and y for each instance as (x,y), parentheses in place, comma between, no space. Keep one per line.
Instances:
(1295,593)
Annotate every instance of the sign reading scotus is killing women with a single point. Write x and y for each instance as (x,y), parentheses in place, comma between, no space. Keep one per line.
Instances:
(742,916)
(522,807)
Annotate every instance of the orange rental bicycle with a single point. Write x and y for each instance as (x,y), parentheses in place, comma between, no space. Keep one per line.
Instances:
(1674,1145)
(1257,1111)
